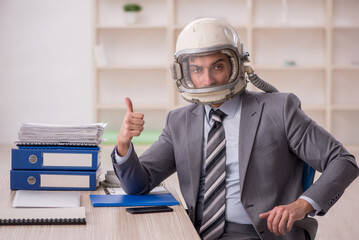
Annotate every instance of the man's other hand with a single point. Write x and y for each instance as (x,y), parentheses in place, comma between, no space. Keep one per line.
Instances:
(286,215)
(132,126)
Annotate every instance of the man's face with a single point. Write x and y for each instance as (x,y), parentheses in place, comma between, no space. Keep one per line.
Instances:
(209,70)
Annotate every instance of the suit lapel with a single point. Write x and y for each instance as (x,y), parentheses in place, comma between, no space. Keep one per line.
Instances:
(250,117)
(194,123)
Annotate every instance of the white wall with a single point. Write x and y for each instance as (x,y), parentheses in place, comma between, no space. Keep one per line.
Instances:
(45,63)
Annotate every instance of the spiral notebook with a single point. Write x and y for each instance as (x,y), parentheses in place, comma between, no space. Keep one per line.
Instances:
(42,216)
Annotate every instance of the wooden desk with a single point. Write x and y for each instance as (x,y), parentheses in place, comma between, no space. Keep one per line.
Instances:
(104,222)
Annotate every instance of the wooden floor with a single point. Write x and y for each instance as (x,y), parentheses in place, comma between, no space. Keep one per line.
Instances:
(340,223)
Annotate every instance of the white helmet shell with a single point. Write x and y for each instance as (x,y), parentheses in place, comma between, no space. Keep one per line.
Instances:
(206,36)
(206,33)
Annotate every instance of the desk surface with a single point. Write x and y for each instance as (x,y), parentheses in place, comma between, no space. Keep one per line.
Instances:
(105,222)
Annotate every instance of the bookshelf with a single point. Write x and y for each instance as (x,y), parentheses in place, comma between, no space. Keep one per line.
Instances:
(306,47)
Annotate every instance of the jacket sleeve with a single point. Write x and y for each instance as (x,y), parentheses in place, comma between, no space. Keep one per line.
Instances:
(320,150)
(139,175)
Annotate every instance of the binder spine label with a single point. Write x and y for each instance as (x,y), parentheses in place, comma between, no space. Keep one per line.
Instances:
(51,180)
(67,159)
(54,159)
(71,181)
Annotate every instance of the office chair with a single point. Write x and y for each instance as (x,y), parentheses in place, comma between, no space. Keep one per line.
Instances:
(308,176)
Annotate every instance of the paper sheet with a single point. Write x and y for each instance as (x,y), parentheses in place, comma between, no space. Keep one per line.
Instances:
(29,198)
(120,191)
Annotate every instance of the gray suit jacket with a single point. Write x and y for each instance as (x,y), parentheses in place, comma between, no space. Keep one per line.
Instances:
(275,137)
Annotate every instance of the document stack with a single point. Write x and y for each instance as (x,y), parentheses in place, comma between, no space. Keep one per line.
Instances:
(57,157)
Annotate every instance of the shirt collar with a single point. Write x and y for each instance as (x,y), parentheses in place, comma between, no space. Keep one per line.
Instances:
(230,107)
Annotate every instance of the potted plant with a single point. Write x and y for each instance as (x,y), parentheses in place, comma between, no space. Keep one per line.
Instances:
(131,12)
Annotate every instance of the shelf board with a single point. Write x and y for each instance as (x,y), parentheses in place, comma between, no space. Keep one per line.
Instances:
(288,27)
(280,68)
(345,27)
(305,107)
(352,147)
(140,106)
(180,27)
(345,107)
(313,107)
(147,137)
(129,27)
(132,67)
(346,67)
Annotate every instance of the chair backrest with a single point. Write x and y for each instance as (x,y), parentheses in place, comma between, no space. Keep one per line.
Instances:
(308,176)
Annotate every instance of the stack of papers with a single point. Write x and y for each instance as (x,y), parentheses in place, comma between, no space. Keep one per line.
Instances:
(46,199)
(52,134)
(120,191)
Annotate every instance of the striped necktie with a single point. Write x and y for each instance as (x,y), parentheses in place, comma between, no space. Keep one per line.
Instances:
(213,220)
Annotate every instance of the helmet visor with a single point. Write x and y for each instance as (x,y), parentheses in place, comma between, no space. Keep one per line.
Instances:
(210,69)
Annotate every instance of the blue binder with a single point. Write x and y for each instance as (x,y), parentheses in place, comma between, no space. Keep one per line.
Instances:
(165,199)
(52,180)
(55,158)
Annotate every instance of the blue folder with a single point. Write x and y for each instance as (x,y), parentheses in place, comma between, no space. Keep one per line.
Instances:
(34,158)
(52,180)
(165,199)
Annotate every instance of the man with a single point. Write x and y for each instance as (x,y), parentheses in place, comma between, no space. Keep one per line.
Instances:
(239,155)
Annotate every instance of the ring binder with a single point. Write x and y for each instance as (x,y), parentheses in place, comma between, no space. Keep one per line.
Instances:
(53,180)
(43,216)
(57,157)
(77,221)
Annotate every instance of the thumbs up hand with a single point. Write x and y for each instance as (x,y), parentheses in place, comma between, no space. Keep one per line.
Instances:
(132,126)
